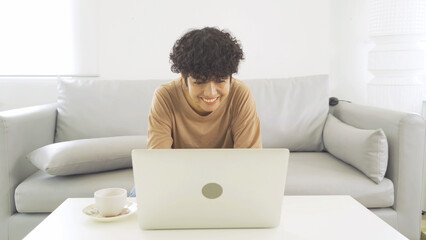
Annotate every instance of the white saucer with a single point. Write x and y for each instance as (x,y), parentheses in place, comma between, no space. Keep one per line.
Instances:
(92,212)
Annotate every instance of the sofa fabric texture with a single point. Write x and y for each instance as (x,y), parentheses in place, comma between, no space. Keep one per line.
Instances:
(405,133)
(103,108)
(42,192)
(366,150)
(327,176)
(293,113)
(331,176)
(87,155)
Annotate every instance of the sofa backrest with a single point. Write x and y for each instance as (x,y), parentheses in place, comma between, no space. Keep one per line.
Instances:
(103,108)
(292,111)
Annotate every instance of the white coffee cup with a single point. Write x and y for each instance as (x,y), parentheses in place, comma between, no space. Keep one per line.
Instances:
(110,201)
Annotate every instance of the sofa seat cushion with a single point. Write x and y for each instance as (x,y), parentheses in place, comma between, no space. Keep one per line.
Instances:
(43,193)
(322,174)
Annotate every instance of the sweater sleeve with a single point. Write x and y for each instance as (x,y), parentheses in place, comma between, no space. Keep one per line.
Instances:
(246,123)
(160,122)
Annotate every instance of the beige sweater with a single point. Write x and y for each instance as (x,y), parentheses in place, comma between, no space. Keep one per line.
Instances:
(174,124)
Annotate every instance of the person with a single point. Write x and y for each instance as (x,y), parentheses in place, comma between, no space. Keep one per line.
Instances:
(206,107)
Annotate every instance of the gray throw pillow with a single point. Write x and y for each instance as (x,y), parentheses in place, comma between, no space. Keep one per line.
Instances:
(366,150)
(87,155)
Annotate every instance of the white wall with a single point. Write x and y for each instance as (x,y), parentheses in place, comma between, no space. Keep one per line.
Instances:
(280,38)
(23,92)
(349,50)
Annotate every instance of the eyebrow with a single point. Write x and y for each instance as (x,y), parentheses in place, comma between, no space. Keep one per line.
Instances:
(216,80)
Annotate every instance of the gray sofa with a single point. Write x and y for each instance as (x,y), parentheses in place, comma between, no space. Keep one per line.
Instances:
(292,111)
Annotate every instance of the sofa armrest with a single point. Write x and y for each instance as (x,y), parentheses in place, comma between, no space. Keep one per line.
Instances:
(405,133)
(21,131)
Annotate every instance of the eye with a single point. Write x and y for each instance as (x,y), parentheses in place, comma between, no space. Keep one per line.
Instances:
(197,83)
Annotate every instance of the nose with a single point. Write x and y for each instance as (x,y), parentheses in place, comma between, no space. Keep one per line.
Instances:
(210,89)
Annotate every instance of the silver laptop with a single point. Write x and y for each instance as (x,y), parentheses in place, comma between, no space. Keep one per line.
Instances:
(209,188)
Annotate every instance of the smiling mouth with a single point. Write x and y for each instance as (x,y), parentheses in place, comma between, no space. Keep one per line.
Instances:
(210,101)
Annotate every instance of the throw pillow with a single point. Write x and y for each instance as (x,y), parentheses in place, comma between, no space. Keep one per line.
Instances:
(86,155)
(366,150)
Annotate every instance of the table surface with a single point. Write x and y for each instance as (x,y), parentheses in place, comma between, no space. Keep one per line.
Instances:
(303,217)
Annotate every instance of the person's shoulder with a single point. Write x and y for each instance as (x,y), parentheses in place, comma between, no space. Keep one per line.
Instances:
(242,97)
(240,88)
(166,96)
(168,90)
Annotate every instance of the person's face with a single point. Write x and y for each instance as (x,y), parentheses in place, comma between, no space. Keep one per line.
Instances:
(206,97)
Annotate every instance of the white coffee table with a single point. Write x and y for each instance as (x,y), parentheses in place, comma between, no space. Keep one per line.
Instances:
(303,217)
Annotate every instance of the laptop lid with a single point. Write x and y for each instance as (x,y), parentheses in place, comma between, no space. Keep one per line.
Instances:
(209,188)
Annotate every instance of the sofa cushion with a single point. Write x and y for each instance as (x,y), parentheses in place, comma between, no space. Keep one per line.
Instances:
(87,155)
(322,174)
(367,150)
(42,192)
(308,174)
(292,111)
(103,108)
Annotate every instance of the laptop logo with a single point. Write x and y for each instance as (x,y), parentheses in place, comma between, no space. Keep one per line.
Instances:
(212,190)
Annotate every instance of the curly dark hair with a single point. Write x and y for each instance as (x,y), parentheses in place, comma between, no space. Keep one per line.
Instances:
(205,54)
